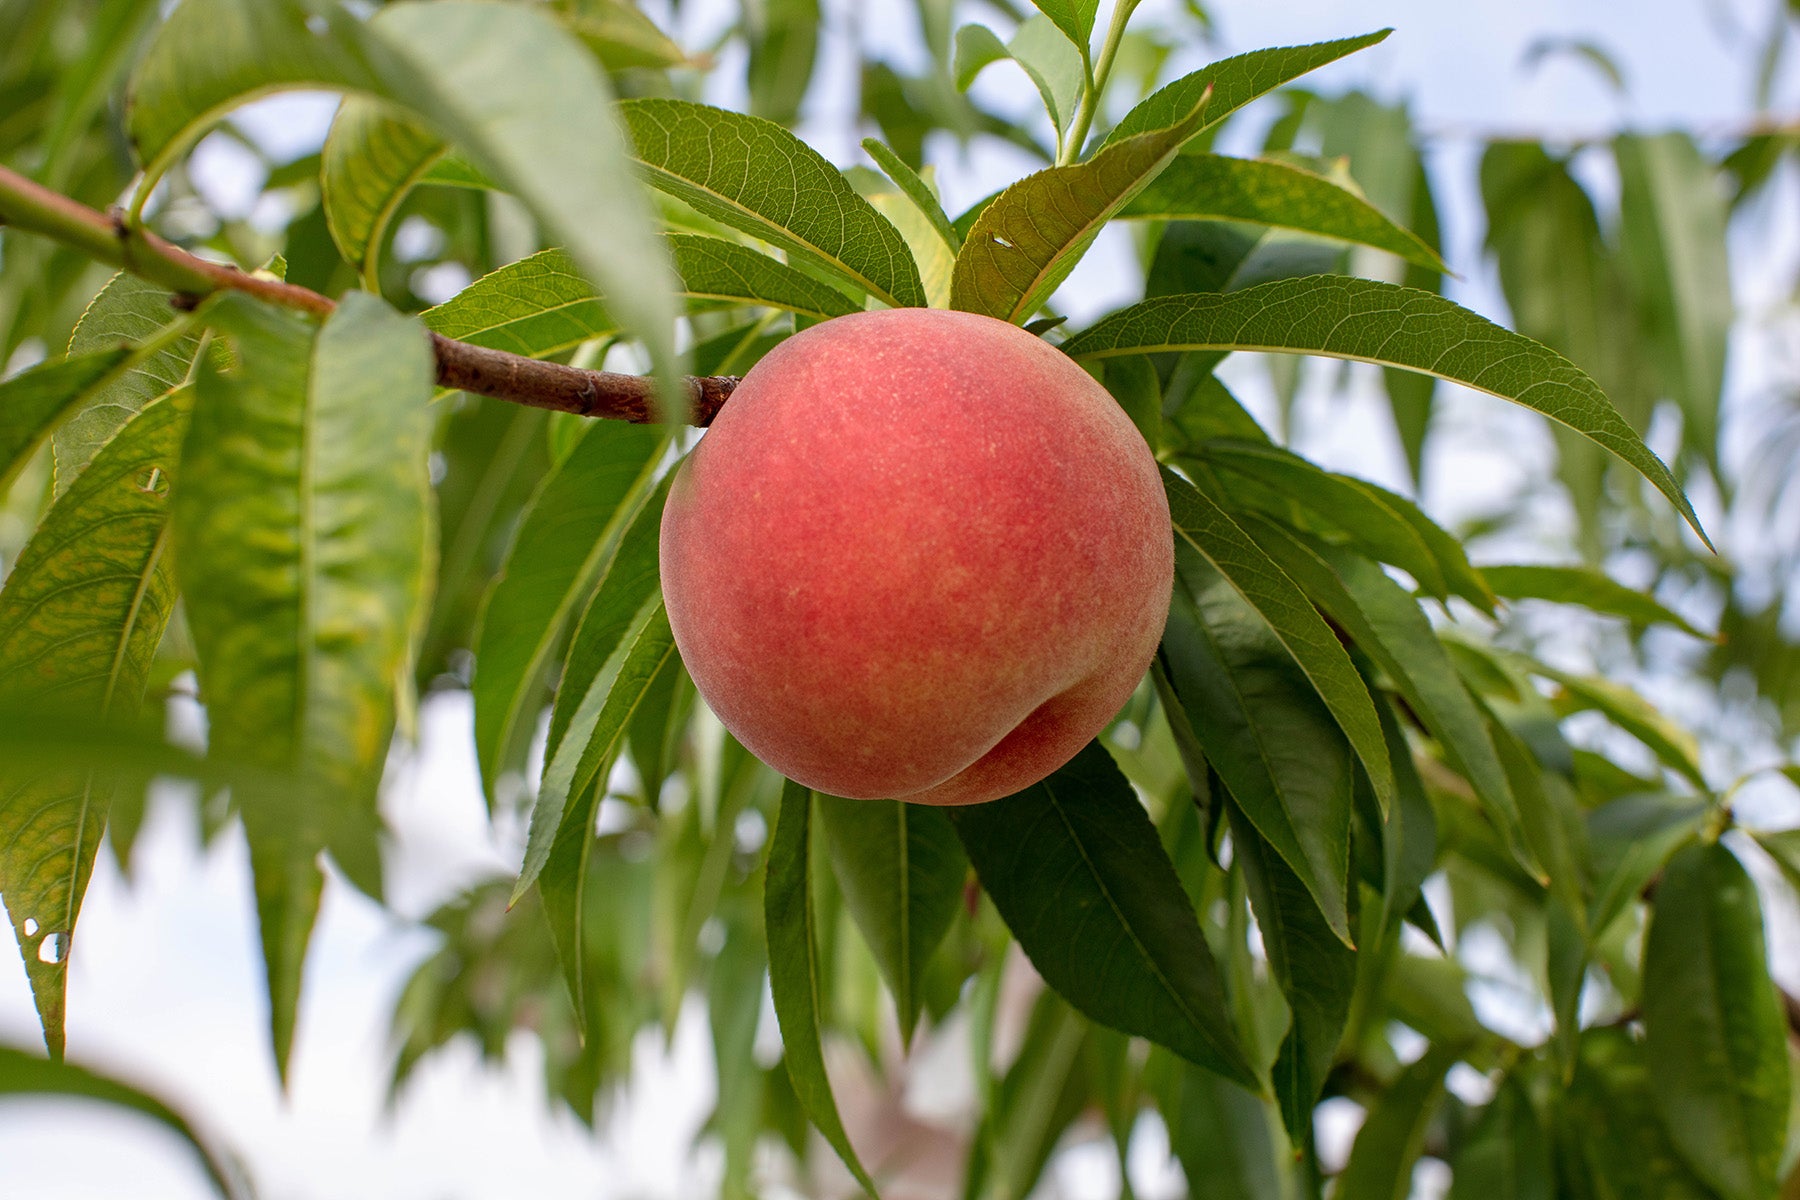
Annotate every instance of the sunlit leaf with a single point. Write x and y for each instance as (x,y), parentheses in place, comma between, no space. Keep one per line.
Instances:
(1715,1037)
(1589,588)
(1212,187)
(1054,64)
(1028,240)
(915,188)
(1369,321)
(755,176)
(619,33)
(301,522)
(1075,18)
(1075,867)
(81,615)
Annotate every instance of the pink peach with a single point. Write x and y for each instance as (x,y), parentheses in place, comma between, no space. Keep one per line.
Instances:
(919,555)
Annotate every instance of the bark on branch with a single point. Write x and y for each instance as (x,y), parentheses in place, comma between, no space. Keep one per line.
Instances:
(27,205)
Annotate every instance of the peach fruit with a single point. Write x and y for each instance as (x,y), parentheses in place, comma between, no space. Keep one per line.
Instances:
(919,555)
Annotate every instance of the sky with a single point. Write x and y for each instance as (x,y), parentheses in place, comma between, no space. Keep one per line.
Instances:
(166,981)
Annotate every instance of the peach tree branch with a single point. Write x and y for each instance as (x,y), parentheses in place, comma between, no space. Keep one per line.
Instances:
(27,205)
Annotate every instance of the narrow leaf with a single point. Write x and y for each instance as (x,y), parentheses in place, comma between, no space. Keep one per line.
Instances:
(1507,1154)
(1369,321)
(1220,1133)
(714,269)
(901,870)
(1715,1037)
(1212,187)
(1393,1135)
(756,176)
(1234,82)
(1055,66)
(1265,731)
(302,522)
(1028,240)
(1202,524)
(1675,746)
(1075,18)
(564,542)
(81,616)
(23,1074)
(795,978)
(1075,867)
(372,158)
(916,189)
(1592,589)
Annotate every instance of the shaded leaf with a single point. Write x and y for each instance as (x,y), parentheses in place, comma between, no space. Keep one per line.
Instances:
(1074,866)
(1369,321)
(1027,241)
(81,615)
(1202,524)
(755,176)
(794,973)
(34,402)
(1393,1135)
(372,158)
(1507,1154)
(715,269)
(622,36)
(1212,187)
(302,524)
(1715,1037)
(1675,746)
(1218,1131)
(1609,1141)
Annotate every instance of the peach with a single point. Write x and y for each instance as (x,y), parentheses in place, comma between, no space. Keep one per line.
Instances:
(919,555)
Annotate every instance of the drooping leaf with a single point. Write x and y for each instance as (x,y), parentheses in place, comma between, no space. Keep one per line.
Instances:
(301,526)
(34,402)
(1676,747)
(1393,1135)
(81,615)
(1028,240)
(1715,1037)
(755,176)
(563,544)
(1202,524)
(795,978)
(1038,1098)
(1213,187)
(784,47)
(1234,82)
(1672,217)
(977,47)
(1055,66)
(127,312)
(1218,1131)
(901,870)
(1316,971)
(1074,865)
(372,158)
(1369,321)
(1264,730)
(915,188)
(1075,18)
(1590,588)
(621,35)
(23,1074)
(538,307)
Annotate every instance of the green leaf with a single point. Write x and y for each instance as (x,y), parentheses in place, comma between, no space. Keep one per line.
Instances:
(1592,589)
(1368,321)
(539,307)
(622,36)
(595,735)
(1040,1096)
(1316,971)
(1075,867)
(127,312)
(795,978)
(1629,840)
(1672,218)
(1675,746)
(560,842)
(81,615)
(373,156)
(915,188)
(1212,187)
(1610,1141)
(564,543)
(23,1074)
(1715,1037)
(977,47)
(1028,240)
(755,176)
(1393,1135)
(1218,1131)
(1075,18)
(1264,730)
(1784,847)
(302,522)
(34,402)
(1202,524)
(784,47)
(1234,82)
(1055,66)
(1507,1154)
(901,870)
(714,269)
(1390,627)
(437,61)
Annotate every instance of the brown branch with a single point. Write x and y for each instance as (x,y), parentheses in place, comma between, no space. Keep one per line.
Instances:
(25,204)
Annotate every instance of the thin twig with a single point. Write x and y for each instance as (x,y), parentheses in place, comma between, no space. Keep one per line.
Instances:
(27,205)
